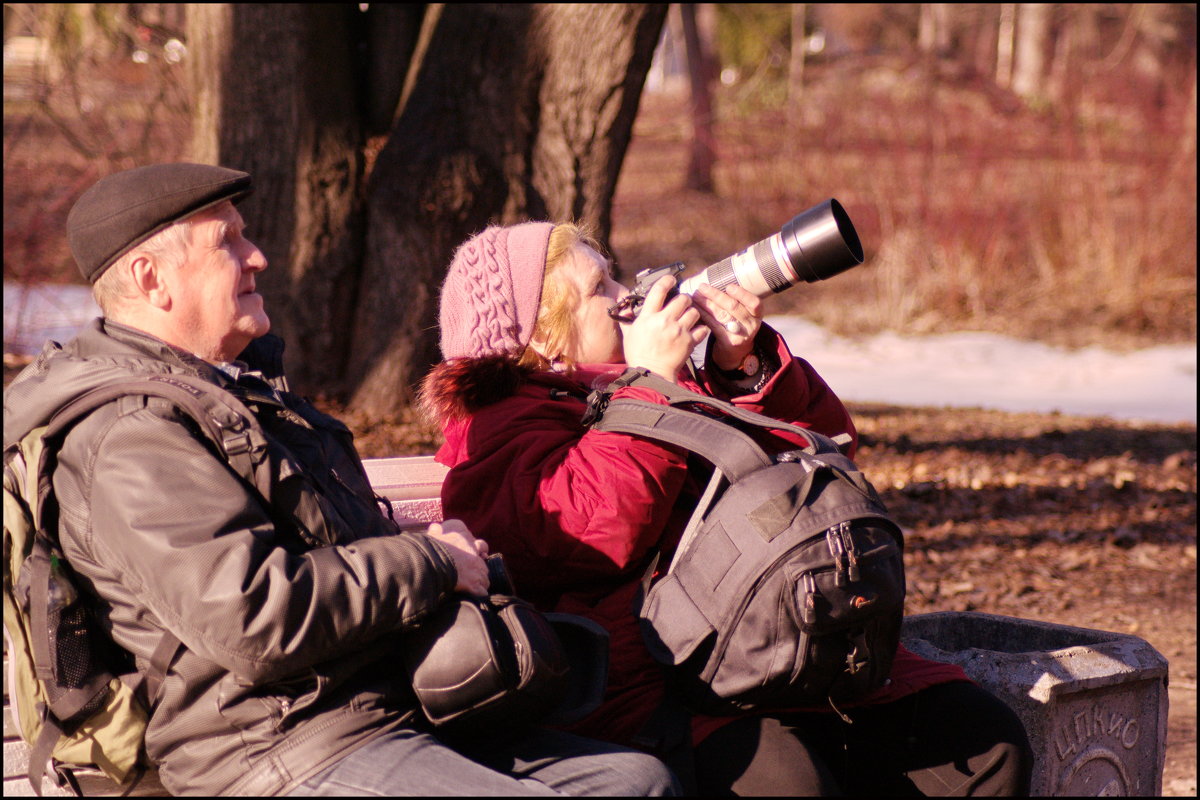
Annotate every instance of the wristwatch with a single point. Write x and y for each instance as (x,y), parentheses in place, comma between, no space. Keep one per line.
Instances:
(750,366)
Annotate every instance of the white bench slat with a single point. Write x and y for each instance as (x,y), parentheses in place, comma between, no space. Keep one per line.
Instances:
(406,478)
(413,484)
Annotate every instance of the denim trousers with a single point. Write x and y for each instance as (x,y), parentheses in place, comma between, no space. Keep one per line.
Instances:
(539,762)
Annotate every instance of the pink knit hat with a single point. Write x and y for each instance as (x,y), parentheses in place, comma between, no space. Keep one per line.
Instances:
(492,291)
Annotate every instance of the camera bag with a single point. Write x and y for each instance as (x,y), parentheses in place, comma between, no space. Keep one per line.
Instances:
(787,587)
(482,665)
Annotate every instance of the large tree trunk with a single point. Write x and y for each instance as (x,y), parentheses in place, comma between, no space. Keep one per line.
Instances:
(933,29)
(276,94)
(490,113)
(515,112)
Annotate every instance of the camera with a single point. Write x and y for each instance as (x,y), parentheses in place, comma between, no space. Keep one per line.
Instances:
(814,245)
(499,581)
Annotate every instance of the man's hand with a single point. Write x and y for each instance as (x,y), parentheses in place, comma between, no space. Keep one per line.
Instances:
(468,554)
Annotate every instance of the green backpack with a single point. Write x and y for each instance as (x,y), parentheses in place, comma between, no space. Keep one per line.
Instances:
(75,697)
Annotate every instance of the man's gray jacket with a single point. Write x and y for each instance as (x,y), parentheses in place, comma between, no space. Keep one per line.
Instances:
(288,615)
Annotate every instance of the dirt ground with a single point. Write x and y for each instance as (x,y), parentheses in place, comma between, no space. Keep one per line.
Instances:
(1070,520)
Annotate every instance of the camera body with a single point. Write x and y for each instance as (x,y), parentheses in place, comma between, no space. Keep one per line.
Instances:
(814,245)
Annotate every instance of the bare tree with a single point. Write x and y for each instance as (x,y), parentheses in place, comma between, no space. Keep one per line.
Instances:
(1032,38)
(381,140)
(89,88)
(799,40)
(933,31)
(1005,32)
(274,88)
(702,153)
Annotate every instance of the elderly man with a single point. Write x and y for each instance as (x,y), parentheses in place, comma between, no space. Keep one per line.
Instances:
(287,610)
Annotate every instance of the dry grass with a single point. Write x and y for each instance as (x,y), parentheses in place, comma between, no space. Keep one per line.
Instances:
(975,212)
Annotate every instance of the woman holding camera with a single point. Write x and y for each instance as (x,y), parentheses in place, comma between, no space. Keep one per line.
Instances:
(526,335)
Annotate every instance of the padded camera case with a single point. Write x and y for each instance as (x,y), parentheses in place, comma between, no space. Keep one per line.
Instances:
(481,664)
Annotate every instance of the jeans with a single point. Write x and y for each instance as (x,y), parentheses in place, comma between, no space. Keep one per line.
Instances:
(409,763)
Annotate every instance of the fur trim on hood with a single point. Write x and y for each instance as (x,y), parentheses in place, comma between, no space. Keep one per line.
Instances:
(457,388)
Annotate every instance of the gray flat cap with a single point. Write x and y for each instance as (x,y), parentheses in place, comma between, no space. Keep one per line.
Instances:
(126,208)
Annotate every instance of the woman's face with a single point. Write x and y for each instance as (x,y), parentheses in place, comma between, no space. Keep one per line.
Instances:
(599,335)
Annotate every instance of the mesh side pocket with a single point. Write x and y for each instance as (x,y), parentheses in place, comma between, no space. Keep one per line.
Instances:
(71,648)
(72,672)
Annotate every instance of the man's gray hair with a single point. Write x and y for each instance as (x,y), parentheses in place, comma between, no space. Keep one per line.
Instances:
(115,286)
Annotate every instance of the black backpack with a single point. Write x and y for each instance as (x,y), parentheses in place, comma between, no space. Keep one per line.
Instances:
(787,587)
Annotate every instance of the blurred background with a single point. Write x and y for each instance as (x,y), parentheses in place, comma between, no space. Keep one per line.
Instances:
(1019,168)
(1024,168)
(1022,176)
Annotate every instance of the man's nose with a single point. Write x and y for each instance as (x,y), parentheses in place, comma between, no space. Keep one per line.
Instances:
(254,260)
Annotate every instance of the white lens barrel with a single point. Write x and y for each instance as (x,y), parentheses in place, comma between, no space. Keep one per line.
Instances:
(761,269)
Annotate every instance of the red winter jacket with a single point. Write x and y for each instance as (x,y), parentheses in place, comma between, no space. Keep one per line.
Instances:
(576,512)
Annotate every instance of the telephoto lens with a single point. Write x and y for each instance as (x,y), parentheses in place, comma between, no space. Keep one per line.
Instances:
(816,244)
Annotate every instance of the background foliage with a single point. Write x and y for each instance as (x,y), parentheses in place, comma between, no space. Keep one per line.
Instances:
(1050,197)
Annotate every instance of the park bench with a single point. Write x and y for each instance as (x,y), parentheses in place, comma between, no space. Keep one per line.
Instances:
(1094,702)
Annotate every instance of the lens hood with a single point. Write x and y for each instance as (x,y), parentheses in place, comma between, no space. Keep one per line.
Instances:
(821,242)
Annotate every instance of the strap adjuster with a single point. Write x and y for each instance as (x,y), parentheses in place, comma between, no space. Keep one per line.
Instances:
(598,399)
(250,441)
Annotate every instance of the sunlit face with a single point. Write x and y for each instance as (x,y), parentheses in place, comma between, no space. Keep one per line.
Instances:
(598,339)
(215,309)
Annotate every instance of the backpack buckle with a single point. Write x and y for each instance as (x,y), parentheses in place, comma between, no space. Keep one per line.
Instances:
(241,439)
(598,399)
(597,404)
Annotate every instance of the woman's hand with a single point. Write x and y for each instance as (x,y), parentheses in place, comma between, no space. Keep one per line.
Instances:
(664,333)
(467,552)
(734,317)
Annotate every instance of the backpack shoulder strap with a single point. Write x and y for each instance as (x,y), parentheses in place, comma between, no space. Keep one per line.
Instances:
(728,448)
(731,451)
(223,419)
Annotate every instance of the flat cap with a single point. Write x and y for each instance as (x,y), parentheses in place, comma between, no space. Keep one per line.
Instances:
(126,208)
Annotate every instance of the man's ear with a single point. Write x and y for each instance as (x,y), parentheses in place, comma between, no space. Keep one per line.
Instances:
(147,276)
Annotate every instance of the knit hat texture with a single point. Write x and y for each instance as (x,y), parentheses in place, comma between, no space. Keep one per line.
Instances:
(492,291)
(126,208)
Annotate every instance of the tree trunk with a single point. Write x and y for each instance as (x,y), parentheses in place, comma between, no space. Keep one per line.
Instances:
(1062,65)
(515,112)
(596,57)
(799,50)
(1004,44)
(276,95)
(1029,64)
(702,152)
